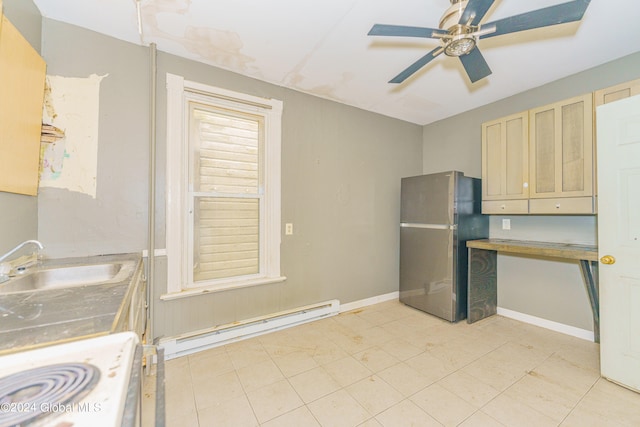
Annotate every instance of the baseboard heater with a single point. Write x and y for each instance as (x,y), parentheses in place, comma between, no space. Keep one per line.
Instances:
(231,332)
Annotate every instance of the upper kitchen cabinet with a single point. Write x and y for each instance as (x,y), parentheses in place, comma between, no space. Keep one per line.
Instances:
(561,161)
(22,76)
(505,165)
(614,93)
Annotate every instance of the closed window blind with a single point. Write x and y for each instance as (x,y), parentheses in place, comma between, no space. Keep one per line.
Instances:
(226,192)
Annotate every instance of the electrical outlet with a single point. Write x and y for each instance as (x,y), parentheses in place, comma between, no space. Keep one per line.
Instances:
(506,224)
(288,229)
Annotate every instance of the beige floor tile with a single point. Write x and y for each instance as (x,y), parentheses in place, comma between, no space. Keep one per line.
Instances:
(295,363)
(235,412)
(444,406)
(480,419)
(376,335)
(274,400)
(179,396)
(338,409)
(512,412)
(372,422)
(495,372)
(313,384)
(181,419)
(351,341)
(352,321)
(374,394)
(212,390)
(376,359)
(504,366)
(214,362)
(259,375)
(406,413)
(245,353)
(568,373)
(347,371)
(431,367)
(401,349)
(469,388)
(553,400)
(607,404)
(301,417)
(177,369)
(405,379)
(326,351)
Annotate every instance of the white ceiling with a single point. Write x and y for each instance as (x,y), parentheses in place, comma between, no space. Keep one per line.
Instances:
(321,47)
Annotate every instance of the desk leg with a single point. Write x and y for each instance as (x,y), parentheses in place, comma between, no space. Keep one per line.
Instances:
(482,298)
(589,271)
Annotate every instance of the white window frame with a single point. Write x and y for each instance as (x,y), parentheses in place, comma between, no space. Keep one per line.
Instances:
(179,93)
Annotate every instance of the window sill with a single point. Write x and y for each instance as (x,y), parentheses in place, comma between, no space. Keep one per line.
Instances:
(227,287)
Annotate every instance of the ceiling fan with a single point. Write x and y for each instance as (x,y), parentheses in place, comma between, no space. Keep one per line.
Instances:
(460,29)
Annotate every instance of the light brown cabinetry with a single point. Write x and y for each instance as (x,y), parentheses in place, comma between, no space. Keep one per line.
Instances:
(505,165)
(22,76)
(617,92)
(561,160)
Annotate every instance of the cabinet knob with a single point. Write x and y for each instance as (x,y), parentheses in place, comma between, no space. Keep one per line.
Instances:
(557,205)
(503,206)
(608,260)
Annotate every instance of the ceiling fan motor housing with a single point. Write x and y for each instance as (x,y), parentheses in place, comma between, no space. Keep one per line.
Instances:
(461,40)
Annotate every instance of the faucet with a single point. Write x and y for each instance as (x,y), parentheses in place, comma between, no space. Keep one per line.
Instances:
(6,267)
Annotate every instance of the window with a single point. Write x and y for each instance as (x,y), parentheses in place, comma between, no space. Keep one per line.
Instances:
(223,188)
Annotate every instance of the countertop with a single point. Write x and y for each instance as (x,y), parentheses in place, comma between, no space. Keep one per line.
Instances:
(34,319)
(560,250)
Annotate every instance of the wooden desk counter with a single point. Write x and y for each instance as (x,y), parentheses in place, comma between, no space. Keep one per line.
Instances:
(482,295)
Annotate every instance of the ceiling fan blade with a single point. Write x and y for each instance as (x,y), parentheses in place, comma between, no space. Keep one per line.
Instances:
(417,65)
(403,31)
(475,11)
(552,15)
(475,65)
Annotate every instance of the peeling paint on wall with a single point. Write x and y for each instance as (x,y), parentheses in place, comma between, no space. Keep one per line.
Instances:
(72,104)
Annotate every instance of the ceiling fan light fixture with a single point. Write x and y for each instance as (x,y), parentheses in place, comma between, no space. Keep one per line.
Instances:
(460,45)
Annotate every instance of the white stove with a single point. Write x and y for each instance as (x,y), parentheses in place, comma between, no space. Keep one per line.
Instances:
(80,383)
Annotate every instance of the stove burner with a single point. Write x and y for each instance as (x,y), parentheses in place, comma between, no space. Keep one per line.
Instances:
(27,395)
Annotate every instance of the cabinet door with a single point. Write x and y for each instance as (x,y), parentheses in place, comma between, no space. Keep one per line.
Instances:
(22,73)
(505,164)
(561,149)
(617,92)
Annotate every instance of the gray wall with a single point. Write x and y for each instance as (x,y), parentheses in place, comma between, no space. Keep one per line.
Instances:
(19,213)
(341,170)
(550,289)
(76,224)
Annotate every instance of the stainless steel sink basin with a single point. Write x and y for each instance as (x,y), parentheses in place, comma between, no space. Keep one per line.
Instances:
(56,277)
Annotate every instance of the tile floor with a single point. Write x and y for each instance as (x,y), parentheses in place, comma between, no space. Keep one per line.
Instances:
(390,365)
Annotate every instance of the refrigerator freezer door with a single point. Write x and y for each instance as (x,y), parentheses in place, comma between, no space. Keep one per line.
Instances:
(427,281)
(429,199)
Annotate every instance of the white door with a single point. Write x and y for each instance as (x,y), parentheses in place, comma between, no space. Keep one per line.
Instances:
(618,152)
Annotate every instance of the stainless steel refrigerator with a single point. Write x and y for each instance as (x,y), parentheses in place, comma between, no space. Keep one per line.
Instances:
(438,214)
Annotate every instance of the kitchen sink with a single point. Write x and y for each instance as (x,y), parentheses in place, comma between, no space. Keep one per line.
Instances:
(57,277)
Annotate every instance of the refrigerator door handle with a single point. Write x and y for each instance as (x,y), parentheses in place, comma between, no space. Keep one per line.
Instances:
(430,226)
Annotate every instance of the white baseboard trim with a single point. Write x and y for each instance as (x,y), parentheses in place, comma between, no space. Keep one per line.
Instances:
(547,324)
(369,301)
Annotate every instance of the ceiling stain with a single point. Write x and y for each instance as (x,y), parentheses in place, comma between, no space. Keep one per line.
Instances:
(220,47)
